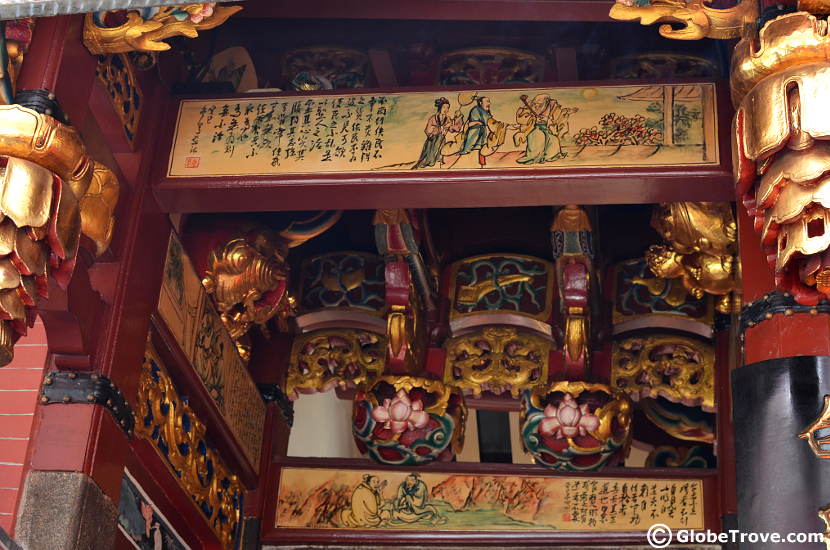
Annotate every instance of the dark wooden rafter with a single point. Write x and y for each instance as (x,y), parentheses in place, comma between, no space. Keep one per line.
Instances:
(448,10)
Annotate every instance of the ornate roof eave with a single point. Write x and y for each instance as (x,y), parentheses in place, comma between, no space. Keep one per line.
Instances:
(16,9)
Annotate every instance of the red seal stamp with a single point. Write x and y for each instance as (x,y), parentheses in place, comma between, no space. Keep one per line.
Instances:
(191,162)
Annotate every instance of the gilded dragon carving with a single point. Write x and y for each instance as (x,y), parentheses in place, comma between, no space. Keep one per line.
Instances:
(146,29)
(497,359)
(167,422)
(246,278)
(701,247)
(695,18)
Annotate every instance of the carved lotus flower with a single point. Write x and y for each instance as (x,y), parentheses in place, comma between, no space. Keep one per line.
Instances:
(401,414)
(568,419)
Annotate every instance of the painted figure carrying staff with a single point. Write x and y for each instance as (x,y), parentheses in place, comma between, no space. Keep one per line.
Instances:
(542,123)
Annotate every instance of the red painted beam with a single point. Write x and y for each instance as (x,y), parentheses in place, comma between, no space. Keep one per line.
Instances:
(448,10)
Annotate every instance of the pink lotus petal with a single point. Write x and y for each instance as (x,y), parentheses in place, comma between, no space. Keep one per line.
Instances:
(380,414)
(417,405)
(569,431)
(400,411)
(550,411)
(590,422)
(548,426)
(402,396)
(568,416)
(398,427)
(418,419)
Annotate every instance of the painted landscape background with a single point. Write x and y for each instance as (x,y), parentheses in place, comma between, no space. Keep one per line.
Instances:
(328,499)
(583,126)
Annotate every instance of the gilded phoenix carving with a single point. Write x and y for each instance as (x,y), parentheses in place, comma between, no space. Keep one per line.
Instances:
(167,422)
(146,29)
(497,359)
(677,368)
(701,246)
(51,191)
(324,359)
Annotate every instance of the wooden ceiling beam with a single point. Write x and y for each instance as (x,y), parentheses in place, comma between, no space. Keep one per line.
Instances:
(446,10)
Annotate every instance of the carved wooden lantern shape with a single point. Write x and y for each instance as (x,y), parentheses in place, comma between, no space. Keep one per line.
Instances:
(668,375)
(343,340)
(51,191)
(406,421)
(575,426)
(500,311)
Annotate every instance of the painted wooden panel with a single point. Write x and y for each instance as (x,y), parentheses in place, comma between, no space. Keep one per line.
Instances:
(186,309)
(141,522)
(555,128)
(320,498)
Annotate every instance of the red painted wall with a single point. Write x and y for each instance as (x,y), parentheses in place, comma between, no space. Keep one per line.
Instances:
(20,383)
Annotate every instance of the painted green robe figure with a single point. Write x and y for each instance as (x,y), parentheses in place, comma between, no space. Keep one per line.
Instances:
(412,503)
(538,123)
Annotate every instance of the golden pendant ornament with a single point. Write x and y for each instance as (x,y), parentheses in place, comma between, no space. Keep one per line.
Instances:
(51,192)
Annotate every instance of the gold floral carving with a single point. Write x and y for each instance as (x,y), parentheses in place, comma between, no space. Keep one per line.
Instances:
(701,246)
(162,417)
(696,19)
(677,368)
(246,278)
(139,34)
(324,359)
(497,359)
(51,191)
(819,444)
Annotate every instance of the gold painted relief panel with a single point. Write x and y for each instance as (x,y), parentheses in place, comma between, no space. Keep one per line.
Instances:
(186,309)
(592,126)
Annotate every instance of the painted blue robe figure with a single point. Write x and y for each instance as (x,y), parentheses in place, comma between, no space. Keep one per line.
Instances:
(436,131)
(475,137)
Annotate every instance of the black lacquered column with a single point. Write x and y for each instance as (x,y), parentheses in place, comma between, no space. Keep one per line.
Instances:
(781,482)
